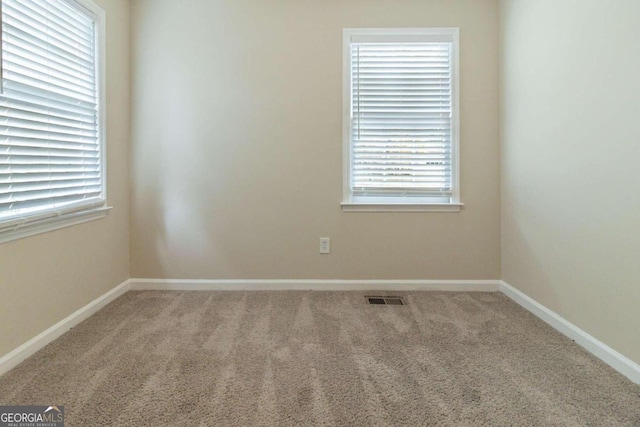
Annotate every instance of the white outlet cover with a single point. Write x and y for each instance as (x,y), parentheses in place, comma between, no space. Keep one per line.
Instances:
(325,245)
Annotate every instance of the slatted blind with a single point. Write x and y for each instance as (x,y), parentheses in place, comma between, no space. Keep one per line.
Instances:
(49,137)
(401,119)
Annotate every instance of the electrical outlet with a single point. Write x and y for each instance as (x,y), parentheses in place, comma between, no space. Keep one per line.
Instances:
(325,245)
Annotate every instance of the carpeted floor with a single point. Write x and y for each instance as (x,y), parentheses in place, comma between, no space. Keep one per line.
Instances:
(320,358)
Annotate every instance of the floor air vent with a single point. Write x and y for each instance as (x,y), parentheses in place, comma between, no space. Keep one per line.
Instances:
(385,300)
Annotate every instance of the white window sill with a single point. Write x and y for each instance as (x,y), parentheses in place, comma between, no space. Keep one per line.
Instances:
(401,207)
(50,224)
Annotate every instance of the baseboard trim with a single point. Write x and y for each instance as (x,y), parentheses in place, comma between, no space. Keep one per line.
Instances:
(602,351)
(315,285)
(617,361)
(13,358)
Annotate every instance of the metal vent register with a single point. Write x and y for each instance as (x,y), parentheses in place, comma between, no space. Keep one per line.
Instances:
(385,300)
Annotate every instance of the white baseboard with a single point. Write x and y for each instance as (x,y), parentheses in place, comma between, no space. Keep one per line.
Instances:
(605,353)
(315,285)
(617,361)
(13,358)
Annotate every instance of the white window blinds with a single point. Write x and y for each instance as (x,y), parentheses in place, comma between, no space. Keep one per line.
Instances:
(401,118)
(50,148)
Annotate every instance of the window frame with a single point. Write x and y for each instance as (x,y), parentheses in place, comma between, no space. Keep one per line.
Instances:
(49,220)
(351,203)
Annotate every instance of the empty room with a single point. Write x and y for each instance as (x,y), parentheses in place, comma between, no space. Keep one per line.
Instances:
(306,212)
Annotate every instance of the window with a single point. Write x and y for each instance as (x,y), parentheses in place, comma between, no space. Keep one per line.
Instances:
(401,120)
(52,171)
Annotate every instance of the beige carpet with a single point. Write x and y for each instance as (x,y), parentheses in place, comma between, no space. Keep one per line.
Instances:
(320,358)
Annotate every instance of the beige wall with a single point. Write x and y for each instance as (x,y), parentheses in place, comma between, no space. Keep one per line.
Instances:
(237,161)
(570,161)
(47,277)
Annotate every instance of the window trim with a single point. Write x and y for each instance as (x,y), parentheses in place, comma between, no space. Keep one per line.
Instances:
(15,228)
(351,203)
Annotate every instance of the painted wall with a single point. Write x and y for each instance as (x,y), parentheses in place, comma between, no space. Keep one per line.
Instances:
(45,278)
(237,144)
(570,153)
